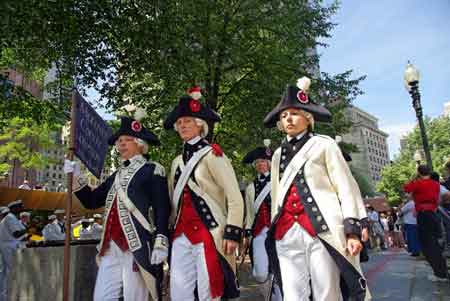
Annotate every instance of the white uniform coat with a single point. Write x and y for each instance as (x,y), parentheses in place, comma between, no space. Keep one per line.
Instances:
(329,185)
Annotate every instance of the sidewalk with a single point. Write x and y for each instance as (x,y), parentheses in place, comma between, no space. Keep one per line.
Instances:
(392,275)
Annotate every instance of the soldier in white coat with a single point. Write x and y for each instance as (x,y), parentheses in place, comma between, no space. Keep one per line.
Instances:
(257,219)
(12,233)
(317,209)
(207,209)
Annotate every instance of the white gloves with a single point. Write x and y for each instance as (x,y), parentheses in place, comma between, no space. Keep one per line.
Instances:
(160,249)
(71,166)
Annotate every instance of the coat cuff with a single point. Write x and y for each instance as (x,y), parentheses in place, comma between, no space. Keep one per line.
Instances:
(352,226)
(161,242)
(232,233)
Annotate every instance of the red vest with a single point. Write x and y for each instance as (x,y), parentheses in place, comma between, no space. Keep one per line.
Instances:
(293,212)
(191,225)
(113,231)
(262,219)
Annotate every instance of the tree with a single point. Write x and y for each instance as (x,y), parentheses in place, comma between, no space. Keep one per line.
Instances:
(26,142)
(242,53)
(364,186)
(403,168)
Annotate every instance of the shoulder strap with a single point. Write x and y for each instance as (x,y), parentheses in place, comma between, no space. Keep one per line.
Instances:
(186,172)
(292,169)
(262,196)
(131,207)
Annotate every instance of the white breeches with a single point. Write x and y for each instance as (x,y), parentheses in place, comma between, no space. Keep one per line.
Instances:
(303,259)
(260,269)
(116,275)
(187,270)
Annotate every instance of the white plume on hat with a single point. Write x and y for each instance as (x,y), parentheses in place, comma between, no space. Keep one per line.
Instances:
(338,139)
(50,217)
(304,83)
(25,213)
(135,112)
(267,142)
(97,215)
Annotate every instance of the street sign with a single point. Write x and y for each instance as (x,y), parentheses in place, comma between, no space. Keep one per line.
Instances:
(91,136)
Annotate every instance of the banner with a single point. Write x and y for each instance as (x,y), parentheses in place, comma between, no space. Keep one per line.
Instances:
(91,136)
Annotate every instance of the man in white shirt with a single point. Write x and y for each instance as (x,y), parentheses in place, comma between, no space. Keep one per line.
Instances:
(97,227)
(376,229)
(86,229)
(12,232)
(25,185)
(408,212)
(52,231)
(25,218)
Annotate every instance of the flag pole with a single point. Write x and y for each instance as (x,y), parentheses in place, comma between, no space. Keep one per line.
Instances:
(66,276)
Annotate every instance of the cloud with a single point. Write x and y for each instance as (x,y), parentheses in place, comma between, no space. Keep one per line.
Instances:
(396,132)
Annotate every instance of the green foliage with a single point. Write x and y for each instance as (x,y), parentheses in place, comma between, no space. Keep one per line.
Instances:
(20,141)
(242,53)
(363,184)
(403,169)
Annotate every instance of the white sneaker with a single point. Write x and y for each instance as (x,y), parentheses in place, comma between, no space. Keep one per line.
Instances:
(434,278)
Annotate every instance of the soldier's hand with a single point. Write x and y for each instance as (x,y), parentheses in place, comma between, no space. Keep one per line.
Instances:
(229,246)
(354,245)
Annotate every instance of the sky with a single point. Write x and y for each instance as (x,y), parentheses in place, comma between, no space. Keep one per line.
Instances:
(376,39)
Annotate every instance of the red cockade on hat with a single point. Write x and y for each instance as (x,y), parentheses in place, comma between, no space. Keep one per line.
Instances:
(194,105)
(217,150)
(136,126)
(302,97)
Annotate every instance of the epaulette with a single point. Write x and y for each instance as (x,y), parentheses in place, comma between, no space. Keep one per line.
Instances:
(159,169)
(217,150)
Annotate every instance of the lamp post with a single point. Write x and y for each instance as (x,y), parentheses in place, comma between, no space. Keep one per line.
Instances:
(412,77)
(418,157)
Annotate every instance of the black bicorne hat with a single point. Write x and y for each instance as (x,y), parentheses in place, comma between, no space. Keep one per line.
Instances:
(258,153)
(296,97)
(189,105)
(134,128)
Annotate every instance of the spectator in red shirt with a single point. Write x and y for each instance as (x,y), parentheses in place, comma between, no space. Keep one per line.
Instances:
(425,193)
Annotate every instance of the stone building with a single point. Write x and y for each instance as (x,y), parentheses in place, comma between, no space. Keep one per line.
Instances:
(373,152)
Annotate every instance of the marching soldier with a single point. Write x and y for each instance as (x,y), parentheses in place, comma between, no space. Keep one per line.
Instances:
(315,234)
(134,243)
(257,221)
(207,209)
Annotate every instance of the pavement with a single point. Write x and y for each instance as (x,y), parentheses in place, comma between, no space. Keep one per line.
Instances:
(391,275)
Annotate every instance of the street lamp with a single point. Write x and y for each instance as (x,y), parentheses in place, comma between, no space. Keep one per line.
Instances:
(412,77)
